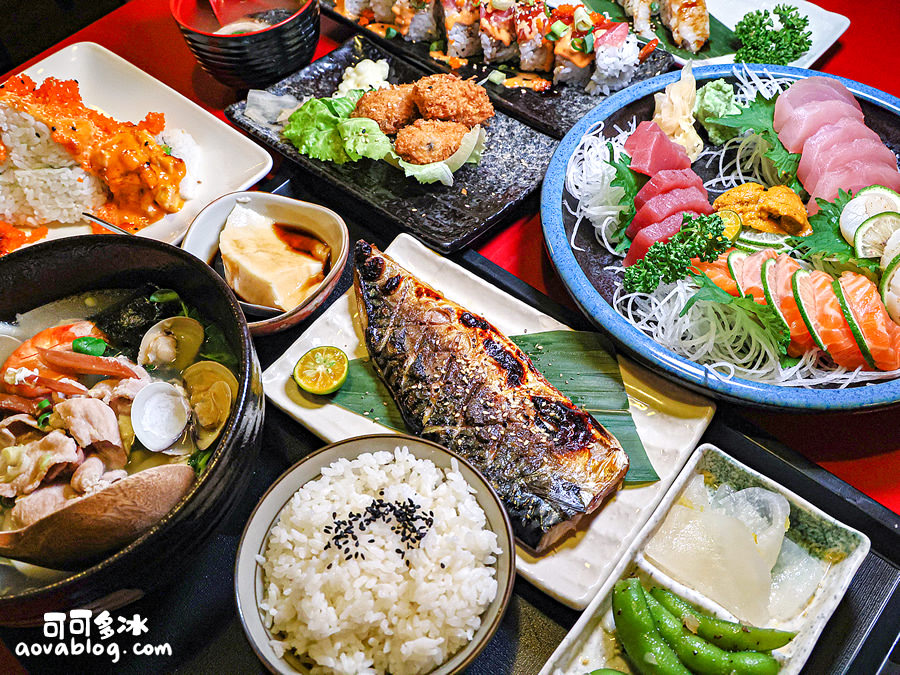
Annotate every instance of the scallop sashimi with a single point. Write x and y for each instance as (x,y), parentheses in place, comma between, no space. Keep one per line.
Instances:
(824,317)
(881,335)
(808,119)
(809,90)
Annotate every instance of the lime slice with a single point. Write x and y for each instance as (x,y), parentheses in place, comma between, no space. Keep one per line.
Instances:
(891,250)
(768,284)
(868,202)
(871,237)
(890,288)
(854,324)
(806,303)
(321,370)
(732,222)
(735,260)
(754,240)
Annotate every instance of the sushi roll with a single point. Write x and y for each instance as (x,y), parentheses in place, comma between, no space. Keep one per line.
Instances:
(571,31)
(415,19)
(498,30)
(353,9)
(532,23)
(640,12)
(616,58)
(462,23)
(383,11)
(688,20)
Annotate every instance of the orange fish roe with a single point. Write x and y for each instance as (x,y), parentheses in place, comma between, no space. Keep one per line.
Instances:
(141,177)
(12,238)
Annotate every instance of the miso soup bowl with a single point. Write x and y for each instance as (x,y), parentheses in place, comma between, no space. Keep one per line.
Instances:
(36,275)
(202,240)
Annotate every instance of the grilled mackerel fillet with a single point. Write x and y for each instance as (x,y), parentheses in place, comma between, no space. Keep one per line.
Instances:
(461,383)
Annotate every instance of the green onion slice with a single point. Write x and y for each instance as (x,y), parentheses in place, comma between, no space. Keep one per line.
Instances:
(165,295)
(557,30)
(496,77)
(43,404)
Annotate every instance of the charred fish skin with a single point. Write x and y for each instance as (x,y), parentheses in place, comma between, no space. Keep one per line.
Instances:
(460,382)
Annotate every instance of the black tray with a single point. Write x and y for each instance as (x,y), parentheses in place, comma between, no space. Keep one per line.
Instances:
(553,112)
(482,196)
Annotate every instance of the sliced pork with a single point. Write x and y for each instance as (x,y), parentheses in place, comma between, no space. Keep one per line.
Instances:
(23,467)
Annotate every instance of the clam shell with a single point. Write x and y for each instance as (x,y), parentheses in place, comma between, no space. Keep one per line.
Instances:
(159,415)
(212,389)
(157,346)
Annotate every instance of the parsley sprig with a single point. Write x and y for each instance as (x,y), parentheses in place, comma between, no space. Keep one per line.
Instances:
(666,263)
(761,42)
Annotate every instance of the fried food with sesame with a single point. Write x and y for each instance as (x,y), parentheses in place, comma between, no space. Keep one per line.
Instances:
(427,141)
(391,108)
(447,97)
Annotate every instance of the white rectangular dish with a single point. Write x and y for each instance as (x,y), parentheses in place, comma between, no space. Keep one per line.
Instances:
(669,420)
(112,85)
(840,549)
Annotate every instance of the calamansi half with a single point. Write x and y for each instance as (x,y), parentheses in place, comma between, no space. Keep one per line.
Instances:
(321,370)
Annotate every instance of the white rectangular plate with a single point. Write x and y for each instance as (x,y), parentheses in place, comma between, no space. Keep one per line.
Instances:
(825,27)
(589,645)
(669,420)
(112,85)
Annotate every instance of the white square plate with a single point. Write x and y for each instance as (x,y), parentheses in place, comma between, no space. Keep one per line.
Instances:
(669,420)
(110,84)
(825,27)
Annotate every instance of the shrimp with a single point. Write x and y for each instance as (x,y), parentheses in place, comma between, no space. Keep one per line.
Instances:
(41,378)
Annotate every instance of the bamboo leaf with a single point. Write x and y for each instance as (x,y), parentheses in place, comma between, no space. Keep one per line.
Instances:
(580,364)
(721,41)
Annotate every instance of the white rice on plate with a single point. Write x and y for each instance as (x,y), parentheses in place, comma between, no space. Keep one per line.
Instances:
(357,595)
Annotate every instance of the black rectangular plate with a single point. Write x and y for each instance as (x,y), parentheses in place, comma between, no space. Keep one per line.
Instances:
(482,196)
(553,112)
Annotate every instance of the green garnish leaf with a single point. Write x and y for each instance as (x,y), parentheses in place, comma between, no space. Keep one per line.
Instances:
(363,138)
(764,315)
(758,116)
(313,128)
(761,42)
(165,295)
(200,459)
(667,262)
(436,46)
(167,149)
(215,345)
(93,346)
(826,244)
(631,183)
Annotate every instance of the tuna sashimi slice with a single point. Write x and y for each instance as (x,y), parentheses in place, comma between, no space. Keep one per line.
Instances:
(651,150)
(808,119)
(718,272)
(852,176)
(868,310)
(809,90)
(864,149)
(828,319)
(661,231)
(801,340)
(665,180)
(749,273)
(819,145)
(611,35)
(664,205)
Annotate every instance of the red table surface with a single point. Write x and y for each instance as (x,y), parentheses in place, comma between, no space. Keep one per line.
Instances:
(862,449)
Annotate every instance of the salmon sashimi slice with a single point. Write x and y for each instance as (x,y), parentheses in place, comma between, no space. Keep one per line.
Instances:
(717,270)
(459,382)
(878,330)
(829,321)
(750,272)
(801,339)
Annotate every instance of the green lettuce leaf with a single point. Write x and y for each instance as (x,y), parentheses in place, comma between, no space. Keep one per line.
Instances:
(363,138)
(826,247)
(470,150)
(758,117)
(764,315)
(313,128)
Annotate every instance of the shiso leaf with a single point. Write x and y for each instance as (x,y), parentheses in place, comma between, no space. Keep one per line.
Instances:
(580,364)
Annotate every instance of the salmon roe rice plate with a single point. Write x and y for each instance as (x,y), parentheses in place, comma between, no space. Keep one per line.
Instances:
(59,159)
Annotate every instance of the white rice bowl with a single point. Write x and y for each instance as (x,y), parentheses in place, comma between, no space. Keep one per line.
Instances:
(376,604)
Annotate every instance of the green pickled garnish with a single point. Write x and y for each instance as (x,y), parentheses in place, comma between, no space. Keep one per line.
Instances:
(93,346)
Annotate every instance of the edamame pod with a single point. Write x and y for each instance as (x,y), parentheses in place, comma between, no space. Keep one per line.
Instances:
(649,653)
(701,656)
(606,671)
(725,634)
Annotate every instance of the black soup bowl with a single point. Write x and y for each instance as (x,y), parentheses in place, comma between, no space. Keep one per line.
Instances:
(52,270)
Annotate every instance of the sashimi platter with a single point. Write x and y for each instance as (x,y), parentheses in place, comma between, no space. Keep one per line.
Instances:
(738,226)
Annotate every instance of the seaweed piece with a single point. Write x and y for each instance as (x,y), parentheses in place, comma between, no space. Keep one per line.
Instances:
(125,322)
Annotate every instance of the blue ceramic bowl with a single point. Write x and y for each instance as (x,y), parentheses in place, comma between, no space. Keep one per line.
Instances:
(250,60)
(589,285)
